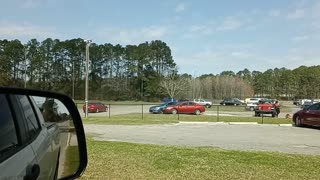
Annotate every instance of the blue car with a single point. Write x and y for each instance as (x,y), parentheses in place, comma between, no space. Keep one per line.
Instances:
(159,108)
(166,100)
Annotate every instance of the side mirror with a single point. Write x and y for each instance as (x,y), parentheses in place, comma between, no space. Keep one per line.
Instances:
(48,125)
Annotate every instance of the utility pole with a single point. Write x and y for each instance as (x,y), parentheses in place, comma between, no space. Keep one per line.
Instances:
(87,76)
(25,67)
(73,79)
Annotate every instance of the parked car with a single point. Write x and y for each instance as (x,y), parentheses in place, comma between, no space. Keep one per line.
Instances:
(95,107)
(203,102)
(159,108)
(307,116)
(252,100)
(265,106)
(231,101)
(170,100)
(306,105)
(302,101)
(188,107)
(296,102)
(251,106)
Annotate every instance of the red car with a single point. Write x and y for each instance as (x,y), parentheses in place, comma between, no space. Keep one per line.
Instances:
(188,107)
(307,116)
(95,107)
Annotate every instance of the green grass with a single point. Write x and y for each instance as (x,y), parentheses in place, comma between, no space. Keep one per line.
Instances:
(136,119)
(71,163)
(117,160)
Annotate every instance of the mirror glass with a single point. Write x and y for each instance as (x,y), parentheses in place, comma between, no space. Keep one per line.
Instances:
(57,116)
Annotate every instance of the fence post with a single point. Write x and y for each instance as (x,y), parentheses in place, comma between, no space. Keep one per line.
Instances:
(218,113)
(262,117)
(142,111)
(178,114)
(109,110)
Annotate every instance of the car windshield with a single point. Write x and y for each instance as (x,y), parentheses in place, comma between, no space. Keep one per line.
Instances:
(146,60)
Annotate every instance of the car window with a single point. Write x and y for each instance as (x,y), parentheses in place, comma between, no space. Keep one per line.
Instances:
(184,104)
(8,133)
(314,107)
(33,126)
(191,104)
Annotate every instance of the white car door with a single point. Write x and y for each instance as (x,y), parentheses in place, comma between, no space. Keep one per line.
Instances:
(17,160)
(40,140)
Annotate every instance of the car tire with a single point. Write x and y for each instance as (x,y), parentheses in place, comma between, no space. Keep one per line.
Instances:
(174,111)
(208,106)
(251,108)
(224,104)
(197,112)
(297,121)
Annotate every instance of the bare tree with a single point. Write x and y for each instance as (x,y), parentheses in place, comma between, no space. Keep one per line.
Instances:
(173,85)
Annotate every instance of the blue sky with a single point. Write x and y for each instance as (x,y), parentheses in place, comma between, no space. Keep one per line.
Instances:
(205,36)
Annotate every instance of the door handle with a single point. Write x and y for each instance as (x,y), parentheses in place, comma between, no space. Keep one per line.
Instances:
(32,172)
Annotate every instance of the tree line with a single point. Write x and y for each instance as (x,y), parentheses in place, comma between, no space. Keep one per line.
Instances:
(138,72)
(281,83)
(116,72)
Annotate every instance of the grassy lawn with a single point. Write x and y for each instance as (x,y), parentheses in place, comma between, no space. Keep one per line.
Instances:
(117,160)
(136,119)
(71,162)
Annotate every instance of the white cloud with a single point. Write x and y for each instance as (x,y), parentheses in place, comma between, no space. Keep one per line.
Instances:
(242,54)
(274,13)
(29,3)
(296,14)
(11,30)
(230,23)
(300,38)
(133,35)
(180,8)
(316,9)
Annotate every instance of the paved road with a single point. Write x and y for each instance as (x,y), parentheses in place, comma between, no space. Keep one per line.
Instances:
(237,137)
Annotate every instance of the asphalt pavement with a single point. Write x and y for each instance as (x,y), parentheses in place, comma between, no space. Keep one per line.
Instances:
(236,137)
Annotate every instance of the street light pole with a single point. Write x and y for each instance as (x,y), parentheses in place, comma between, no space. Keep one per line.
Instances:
(73,79)
(87,76)
(25,67)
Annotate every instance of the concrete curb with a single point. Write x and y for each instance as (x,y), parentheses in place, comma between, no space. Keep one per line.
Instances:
(186,122)
(218,123)
(243,123)
(286,125)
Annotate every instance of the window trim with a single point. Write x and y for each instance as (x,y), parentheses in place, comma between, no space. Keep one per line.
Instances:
(21,145)
(29,139)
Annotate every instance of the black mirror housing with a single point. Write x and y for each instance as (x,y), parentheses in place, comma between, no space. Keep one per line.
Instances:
(75,126)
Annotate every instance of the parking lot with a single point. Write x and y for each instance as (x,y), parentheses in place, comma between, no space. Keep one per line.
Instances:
(235,137)
(129,109)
